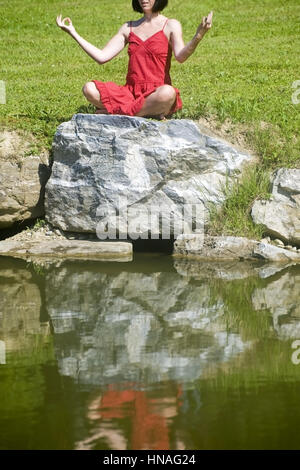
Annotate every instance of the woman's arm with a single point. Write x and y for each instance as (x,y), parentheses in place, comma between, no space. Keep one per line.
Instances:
(112,48)
(182,52)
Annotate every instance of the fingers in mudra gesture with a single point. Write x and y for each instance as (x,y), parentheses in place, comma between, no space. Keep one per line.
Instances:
(206,24)
(68,28)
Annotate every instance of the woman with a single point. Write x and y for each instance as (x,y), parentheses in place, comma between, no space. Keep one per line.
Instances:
(152,38)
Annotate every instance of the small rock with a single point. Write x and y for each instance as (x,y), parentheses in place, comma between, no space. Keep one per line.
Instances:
(274,253)
(280,214)
(49,233)
(278,242)
(224,247)
(288,247)
(265,240)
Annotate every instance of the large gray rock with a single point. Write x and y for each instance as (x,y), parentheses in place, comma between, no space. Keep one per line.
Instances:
(22,180)
(140,167)
(281,215)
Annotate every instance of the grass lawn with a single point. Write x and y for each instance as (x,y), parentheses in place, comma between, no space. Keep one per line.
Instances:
(242,73)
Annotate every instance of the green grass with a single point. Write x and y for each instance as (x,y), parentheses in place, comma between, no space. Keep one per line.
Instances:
(242,71)
(234,218)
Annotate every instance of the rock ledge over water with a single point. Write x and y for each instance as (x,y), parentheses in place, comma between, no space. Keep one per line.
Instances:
(230,248)
(67,249)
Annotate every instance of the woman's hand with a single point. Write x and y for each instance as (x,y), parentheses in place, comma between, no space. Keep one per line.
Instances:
(205,25)
(68,28)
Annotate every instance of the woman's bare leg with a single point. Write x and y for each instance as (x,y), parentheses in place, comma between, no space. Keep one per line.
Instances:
(159,103)
(92,94)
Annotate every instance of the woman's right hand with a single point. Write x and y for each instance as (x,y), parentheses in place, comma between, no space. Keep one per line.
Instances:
(205,25)
(68,28)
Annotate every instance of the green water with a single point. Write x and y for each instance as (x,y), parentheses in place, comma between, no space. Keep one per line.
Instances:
(156,353)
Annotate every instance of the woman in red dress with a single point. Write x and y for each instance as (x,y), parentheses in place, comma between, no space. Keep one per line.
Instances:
(148,91)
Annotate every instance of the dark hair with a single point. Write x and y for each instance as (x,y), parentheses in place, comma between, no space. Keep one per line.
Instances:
(159,5)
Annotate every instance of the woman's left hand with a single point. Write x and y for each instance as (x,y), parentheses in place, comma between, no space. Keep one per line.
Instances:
(205,25)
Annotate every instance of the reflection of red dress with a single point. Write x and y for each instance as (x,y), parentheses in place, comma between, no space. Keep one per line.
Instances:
(148,68)
(149,429)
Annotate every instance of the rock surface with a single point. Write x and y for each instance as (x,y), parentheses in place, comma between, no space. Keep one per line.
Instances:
(214,247)
(47,245)
(280,216)
(74,249)
(103,164)
(22,180)
(275,253)
(230,248)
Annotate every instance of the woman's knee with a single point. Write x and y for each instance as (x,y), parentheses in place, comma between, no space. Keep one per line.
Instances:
(90,91)
(166,94)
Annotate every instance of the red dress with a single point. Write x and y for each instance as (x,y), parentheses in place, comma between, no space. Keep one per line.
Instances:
(148,68)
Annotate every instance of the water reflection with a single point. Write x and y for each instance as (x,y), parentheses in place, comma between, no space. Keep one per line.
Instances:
(21,306)
(149,418)
(136,327)
(155,354)
(282,298)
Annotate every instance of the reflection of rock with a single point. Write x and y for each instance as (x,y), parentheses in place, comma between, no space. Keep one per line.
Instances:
(20,305)
(136,327)
(227,270)
(268,270)
(282,297)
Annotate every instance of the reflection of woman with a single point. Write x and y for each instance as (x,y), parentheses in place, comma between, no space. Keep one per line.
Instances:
(148,90)
(149,420)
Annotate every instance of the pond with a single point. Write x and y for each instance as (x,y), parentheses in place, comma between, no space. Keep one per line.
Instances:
(157,353)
